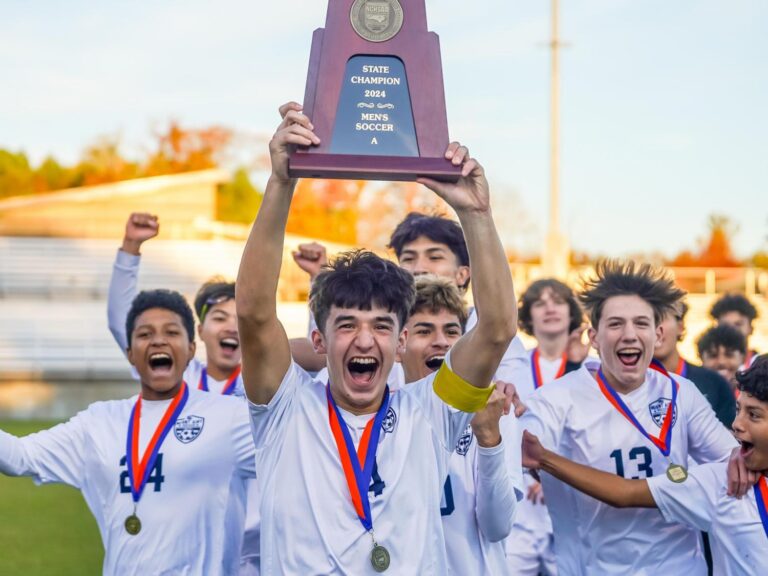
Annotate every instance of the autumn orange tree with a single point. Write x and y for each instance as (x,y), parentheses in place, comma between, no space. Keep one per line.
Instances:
(716,250)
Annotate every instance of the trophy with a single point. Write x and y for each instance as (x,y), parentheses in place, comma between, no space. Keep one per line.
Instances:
(375,95)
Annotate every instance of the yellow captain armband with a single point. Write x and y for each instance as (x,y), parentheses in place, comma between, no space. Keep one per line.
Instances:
(458,393)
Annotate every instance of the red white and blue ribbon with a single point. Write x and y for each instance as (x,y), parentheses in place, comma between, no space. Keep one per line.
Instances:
(229,387)
(538,381)
(761,496)
(140,469)
(682,368)
(358,465)
(664,441)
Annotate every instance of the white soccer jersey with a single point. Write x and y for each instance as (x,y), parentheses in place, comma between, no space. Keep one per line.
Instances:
(515,363)
(572,417)
(192,508)
(477,507)
(123,288)
(308,523)
(736,533)
(530,542)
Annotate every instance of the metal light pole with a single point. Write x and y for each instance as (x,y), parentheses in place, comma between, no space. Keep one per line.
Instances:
(556,255)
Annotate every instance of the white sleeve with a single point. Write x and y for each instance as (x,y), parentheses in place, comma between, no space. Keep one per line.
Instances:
(267,420)
(55,455)
(499,484)
(448,423)
(515,365)
(708,439)
(546,414)
(692,502)
(123,287)
(242,441)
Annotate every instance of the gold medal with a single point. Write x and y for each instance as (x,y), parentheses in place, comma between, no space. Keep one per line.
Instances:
(133,525)
(379,558)
(677,473)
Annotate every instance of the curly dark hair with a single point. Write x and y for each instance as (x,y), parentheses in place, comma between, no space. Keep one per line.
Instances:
(754,380)
(361,279)
(721,335)
(733,303)
(559,290)
(627,278)
(214,291)
(161,298)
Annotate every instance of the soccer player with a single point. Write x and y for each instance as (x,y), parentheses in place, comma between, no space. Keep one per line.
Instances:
(366,466)
(723,349)
(550,312)
(736,310)
(220,374)
(626,415)
(712,385)
(436,245)
(697,497)
(484,480)
(423,245)
(164,473)
(214,304)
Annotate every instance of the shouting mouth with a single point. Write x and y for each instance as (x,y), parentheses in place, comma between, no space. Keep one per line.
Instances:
(363,369)
(629,357)
(434,362)
(160,363)
(229,343)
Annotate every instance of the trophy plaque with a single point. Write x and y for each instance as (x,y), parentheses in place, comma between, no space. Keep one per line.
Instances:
(375,95)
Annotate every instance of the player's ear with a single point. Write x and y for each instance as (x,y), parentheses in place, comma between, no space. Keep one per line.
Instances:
(462,276)
(200,330)
(129,355)
(592,335)
(659,335)
(191,351)
(401,341)
(318,342)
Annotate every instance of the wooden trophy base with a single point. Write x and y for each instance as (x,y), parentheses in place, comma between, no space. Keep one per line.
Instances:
(356,167)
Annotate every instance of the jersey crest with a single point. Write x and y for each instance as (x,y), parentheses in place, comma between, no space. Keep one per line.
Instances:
(464,442)
(188,428)
(389,421)
(658,410)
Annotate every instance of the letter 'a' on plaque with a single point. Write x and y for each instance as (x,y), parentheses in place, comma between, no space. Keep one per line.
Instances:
(375,95)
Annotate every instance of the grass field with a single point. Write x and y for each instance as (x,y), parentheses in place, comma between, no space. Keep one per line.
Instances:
(45,530)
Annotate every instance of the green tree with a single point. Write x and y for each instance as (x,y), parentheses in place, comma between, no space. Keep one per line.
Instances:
(239,200)
(16,175)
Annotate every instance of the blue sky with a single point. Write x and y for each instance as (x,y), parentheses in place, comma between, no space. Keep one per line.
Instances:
(663,103)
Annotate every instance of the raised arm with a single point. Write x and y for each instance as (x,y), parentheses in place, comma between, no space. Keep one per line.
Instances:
(477,354)
(609,488)
(123,285)
(266,353)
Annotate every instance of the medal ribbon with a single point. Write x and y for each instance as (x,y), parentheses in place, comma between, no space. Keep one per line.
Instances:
(538,382)
(358,466)
(761,496)
(229,387)
(664,441)
(139,470)
(682,368)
